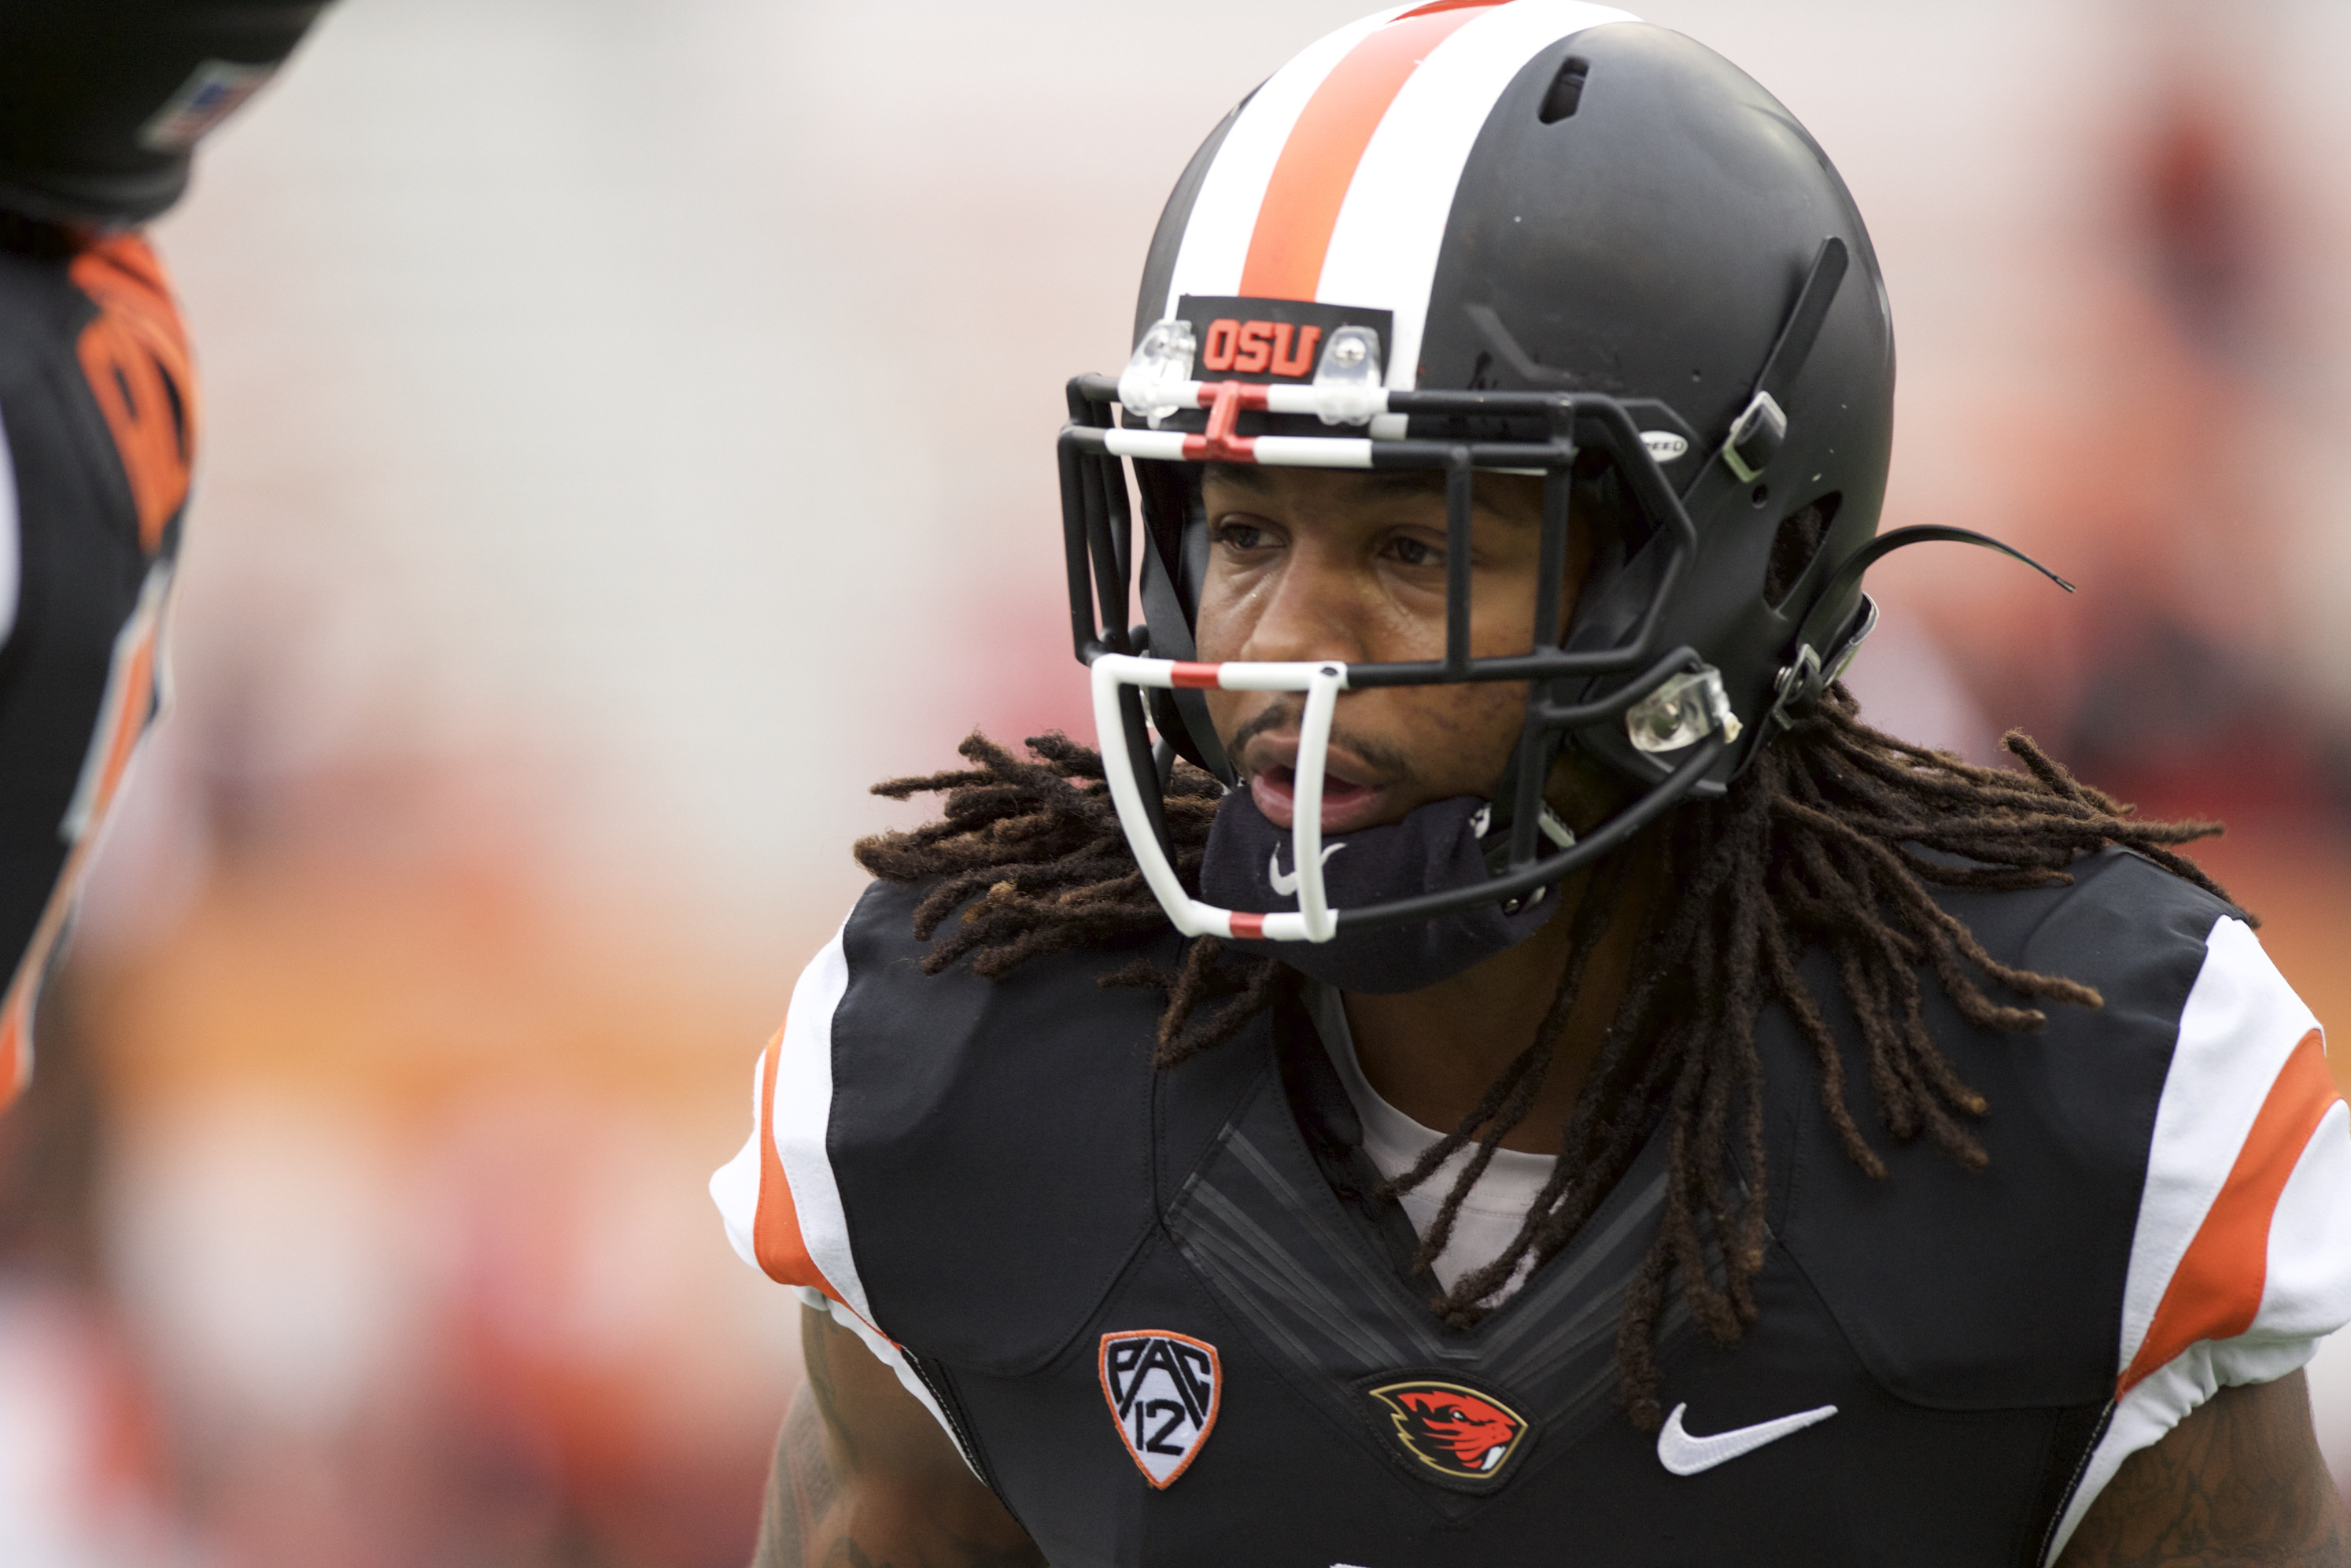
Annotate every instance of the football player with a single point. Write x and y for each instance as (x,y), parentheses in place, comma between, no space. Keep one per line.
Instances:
(1516,1070)
(102,105)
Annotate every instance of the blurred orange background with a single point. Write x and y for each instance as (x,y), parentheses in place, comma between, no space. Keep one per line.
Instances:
(587,520)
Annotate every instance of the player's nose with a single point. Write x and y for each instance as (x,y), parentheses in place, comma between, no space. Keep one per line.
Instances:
(1312,608)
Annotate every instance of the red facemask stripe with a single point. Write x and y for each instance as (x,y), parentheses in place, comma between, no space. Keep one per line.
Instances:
(1318,163)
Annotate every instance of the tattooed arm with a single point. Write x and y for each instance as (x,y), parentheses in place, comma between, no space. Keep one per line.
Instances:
(2238,1484)
(864,1479)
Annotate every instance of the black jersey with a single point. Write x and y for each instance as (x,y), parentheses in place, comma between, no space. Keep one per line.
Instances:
(1165,1314)
(97,432)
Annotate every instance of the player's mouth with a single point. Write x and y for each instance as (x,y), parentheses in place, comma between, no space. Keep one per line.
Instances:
(1348,803)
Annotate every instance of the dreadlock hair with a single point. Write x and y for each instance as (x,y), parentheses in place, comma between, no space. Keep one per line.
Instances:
(1831,839)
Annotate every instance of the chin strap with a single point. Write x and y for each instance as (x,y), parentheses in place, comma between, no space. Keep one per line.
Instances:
(1761,427)
(1494,841)
(1494,821)
(1806,679)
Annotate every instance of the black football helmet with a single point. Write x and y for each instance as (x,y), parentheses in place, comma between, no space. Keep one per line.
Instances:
(102,102)
(1540,236)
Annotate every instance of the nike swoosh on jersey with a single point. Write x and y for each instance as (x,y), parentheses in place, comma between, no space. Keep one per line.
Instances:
(1287,886)
(1685,1455)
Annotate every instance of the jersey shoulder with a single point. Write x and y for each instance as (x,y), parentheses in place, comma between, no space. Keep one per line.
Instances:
(2124,926)
(967,1163)
(2111,1136)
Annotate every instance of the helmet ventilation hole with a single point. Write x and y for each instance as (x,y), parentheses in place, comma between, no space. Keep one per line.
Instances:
(1566,91)
(1794,544)
(1760,494)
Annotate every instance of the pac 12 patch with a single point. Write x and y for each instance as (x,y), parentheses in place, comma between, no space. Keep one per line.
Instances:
(1163,1389)
(1464,1436)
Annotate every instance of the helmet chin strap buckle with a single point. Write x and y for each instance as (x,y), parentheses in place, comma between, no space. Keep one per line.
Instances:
(1761,427)
(1798,687)
(1756,437)
(1548,823)
(1804,680)
(1498,853)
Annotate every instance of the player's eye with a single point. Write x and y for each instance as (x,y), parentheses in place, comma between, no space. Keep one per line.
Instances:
(1406,550)
(1239,534)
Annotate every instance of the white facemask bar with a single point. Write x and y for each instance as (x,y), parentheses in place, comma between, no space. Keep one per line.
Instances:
(1322,681)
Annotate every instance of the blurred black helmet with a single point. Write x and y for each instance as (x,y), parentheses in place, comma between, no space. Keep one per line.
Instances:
(102,102)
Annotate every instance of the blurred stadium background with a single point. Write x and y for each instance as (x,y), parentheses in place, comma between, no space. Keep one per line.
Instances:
(582,525)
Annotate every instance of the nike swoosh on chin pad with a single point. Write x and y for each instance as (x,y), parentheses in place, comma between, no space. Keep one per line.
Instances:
(1433,850)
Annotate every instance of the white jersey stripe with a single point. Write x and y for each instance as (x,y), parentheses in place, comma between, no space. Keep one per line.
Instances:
(1384,249)
(2241,1023)
(1224,213)
(800,1100)
(803,1109)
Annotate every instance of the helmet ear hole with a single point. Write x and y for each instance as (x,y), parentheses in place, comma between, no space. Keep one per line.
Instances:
(1795,545)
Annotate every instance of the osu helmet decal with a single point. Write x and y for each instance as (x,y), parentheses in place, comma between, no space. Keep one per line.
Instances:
(1540,236)
(1461,1434)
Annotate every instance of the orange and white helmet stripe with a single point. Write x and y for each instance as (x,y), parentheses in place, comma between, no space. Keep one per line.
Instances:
(1336,179)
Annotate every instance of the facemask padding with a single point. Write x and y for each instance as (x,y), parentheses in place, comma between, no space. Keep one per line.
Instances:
(1435,850)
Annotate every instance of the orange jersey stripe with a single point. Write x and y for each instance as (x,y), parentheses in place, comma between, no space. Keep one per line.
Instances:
(134,353)
(13,1063)
(2216,1289)
(1317,164)
(776,1237)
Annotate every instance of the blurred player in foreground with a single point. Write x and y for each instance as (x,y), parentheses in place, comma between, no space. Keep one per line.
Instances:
(102,105)
(1518,1070)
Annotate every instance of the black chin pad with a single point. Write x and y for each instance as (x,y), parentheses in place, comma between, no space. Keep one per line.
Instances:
(1433,850)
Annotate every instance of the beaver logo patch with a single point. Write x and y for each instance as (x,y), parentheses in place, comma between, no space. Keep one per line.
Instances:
(1163,1389)
(1466,1437)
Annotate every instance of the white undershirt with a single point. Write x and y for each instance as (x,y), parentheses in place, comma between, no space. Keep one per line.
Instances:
(1496,1207)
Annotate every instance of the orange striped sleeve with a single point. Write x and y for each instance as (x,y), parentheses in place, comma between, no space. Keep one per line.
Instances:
(2216,1290)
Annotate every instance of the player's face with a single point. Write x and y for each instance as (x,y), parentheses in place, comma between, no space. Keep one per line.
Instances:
(1311,564)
